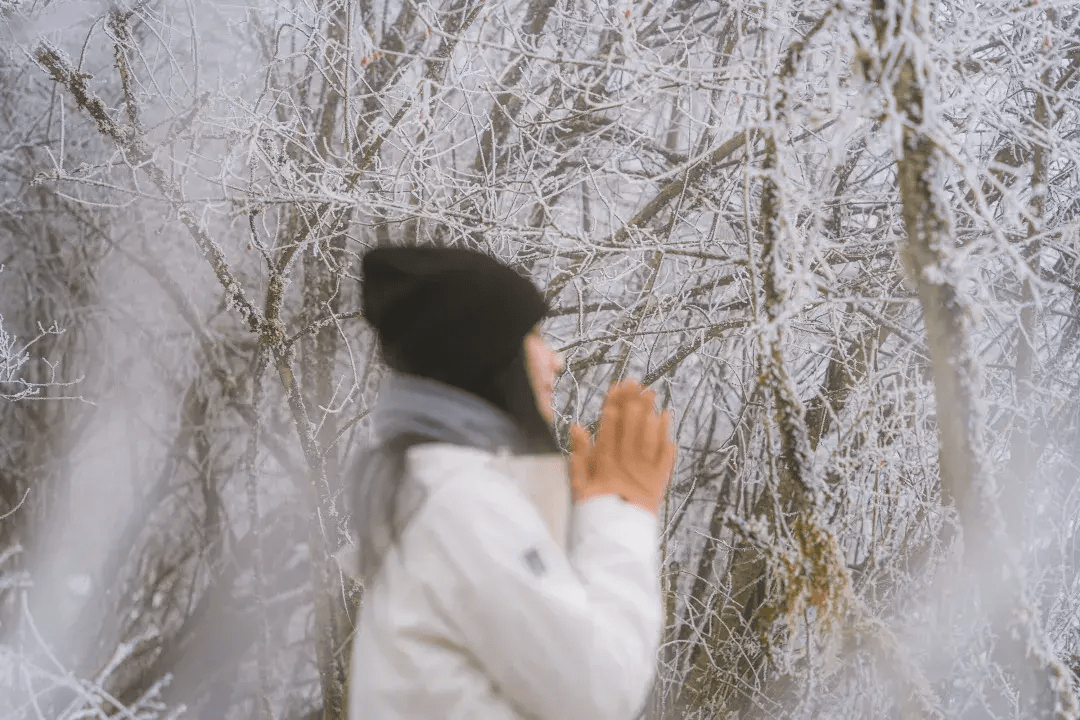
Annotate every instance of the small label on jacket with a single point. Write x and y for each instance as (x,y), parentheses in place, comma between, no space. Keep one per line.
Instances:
(532,559)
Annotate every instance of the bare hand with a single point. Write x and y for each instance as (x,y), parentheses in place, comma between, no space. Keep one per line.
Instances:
(632,457)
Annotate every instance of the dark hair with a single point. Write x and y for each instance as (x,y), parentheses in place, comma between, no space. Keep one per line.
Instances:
(508,389)
(514,393)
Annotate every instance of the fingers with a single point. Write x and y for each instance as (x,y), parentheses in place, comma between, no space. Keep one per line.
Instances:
(580,451)
(629,422)
(580,442)
(609,436)
(577,443)
(641,432)
(632,419)
(630,427)
(633,456)
(649,430)
(667,445)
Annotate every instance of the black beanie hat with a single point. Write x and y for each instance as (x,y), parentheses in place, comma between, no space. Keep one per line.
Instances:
(459,317)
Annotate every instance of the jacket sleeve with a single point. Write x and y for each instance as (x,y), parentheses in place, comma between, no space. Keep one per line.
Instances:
(562,637)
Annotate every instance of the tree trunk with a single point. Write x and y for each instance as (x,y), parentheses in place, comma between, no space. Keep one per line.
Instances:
(967,482)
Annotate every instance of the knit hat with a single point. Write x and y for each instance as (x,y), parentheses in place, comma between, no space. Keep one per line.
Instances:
(459,317)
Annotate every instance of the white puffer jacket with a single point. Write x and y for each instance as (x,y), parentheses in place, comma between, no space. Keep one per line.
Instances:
(504,602)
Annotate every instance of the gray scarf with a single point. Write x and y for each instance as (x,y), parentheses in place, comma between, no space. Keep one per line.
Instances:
(414,404)
(412,409)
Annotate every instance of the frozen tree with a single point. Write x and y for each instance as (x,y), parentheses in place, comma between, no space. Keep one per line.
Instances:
(840,238)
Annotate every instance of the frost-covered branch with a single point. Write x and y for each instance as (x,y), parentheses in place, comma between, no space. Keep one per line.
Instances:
(140,154)
(967,480)
(14,355)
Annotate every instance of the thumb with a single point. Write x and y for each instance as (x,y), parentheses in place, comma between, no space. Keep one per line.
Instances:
(579,458)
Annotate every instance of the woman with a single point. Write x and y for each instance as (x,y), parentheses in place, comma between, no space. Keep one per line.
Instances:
(496,589)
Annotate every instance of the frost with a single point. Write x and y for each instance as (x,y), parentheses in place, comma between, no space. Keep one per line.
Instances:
(214,202)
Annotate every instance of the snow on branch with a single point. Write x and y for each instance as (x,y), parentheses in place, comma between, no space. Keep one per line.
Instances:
(14,355)
(139,152)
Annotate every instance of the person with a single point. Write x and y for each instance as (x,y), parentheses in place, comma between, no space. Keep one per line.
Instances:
(502,581)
